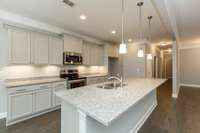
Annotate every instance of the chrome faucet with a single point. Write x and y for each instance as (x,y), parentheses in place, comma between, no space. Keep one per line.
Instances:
(119,78)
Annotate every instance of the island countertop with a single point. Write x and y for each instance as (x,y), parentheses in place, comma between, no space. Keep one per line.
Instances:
(107,105)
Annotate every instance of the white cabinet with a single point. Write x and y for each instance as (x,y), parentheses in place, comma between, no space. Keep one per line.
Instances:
(86,54)
(19,46)
(72,44)
(93,55)
(29,101)
(39,48)
(58,87)
(21,105)
(27,47)
(20,102)
(112,51)
(55,51)
(43,98)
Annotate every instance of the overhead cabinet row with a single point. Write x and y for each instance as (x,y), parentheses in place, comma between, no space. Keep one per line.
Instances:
(34,48)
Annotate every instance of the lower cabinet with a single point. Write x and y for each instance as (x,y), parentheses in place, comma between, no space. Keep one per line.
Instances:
(42,100)
(29,101)
(58,87)
(20,105)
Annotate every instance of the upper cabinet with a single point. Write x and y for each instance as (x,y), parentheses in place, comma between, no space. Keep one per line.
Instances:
(19,46)
(26,47)
(112,51)
(55,51)
(39,48)
(73,44)
(93,55)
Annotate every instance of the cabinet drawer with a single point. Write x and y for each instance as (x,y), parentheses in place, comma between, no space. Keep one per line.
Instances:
(23,89)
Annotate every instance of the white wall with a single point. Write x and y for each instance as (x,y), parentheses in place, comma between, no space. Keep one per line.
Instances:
(134,66)
(190,66)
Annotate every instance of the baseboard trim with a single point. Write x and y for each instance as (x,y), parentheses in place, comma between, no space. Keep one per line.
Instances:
(3,115)
(140,123)
(190,85)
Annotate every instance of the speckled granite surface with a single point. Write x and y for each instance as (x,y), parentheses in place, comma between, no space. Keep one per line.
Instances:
(31,81)
(107,105)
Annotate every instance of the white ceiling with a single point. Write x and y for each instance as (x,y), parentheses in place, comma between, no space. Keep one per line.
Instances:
(186,15)
(103,16)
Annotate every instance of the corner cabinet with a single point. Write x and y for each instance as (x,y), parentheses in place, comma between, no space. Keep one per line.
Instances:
(39,49)
(19,46)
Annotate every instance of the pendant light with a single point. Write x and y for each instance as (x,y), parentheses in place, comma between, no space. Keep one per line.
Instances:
(140,51)
(123,46)
(149,56)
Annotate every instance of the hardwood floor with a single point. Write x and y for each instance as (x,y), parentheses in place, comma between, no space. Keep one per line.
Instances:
(171,116)
(175,115)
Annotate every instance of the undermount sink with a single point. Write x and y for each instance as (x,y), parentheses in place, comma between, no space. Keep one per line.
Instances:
(111,86)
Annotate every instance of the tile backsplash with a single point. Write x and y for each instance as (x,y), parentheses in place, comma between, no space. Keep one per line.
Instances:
(29,71)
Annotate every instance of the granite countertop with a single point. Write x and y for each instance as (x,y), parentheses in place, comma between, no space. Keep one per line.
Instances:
(107,105)
(31,81)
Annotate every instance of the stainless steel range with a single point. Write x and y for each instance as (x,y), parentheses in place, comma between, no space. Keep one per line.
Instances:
(74,80)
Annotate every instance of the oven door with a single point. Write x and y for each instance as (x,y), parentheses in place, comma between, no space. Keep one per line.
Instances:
(76,83)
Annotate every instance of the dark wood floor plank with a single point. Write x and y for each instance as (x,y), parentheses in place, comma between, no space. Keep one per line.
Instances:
(180,115)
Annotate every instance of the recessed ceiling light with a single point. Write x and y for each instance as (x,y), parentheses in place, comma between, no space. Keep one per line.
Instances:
(113,32)
(83,17)
(130,40)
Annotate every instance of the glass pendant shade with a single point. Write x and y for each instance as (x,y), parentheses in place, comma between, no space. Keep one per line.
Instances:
(122,49)
(149,56)
(140,53)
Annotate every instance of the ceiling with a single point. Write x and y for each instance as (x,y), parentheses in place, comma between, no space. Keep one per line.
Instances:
(185,14)
(103,16)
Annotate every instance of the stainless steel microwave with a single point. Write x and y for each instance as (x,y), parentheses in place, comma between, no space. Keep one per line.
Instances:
(71,58)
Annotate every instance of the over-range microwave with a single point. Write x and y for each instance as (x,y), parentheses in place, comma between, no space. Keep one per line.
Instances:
(72,58)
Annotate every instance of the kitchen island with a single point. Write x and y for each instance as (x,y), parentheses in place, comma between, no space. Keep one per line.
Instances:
(91,109)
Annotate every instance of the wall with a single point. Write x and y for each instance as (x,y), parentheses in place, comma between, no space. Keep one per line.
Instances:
(3,62)
(190,66)
(134,66)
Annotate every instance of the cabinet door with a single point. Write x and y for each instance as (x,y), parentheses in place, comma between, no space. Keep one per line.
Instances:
(55,51)
(100,55)
(58,87)
(20,105)
(72,44)
(42,100)
(94,55)
(112,51)
(86,54)
(40,48)
(116,51)
(19,43)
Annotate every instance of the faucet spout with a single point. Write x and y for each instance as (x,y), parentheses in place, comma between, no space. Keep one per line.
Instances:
(119,78)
